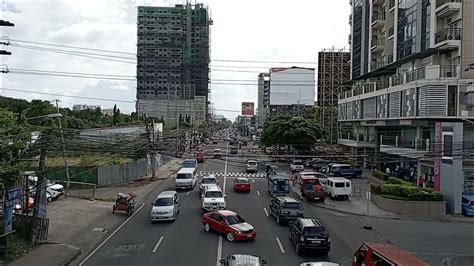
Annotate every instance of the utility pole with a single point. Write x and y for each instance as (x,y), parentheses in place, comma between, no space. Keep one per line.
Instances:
(64,149)
(153,154)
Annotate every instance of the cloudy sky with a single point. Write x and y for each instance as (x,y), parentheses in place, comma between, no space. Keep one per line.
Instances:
(255,30)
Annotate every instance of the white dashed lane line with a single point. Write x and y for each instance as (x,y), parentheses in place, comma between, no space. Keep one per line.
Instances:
(258,193)
(187,194)
(266,212)
(280,245)
(157,244)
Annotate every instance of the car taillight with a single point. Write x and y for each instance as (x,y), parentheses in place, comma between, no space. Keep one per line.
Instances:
(302,238)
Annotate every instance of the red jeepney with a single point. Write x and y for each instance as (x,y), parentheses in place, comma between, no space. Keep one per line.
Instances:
(311,189)
(372,254)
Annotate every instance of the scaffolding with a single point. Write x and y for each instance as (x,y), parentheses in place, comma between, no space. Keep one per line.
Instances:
(333,77)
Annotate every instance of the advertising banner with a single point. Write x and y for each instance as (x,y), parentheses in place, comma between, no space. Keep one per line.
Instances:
(437,162)
(248,108)
(13,194)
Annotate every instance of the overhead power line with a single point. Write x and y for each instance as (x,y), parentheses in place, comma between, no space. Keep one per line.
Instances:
(70,96)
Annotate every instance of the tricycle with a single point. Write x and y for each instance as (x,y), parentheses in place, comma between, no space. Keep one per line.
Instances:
(125,202)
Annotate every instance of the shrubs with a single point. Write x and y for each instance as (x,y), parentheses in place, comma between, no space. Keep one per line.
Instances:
(406,192)
(376,188)
(399,181)
(380,175)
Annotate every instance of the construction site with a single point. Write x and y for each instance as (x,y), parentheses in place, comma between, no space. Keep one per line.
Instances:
(333,77)
(173,62)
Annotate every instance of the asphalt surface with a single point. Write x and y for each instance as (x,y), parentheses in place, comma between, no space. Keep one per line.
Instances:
(184,242)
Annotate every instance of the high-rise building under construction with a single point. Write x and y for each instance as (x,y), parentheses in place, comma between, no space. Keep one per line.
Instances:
(173,62)
(333,76)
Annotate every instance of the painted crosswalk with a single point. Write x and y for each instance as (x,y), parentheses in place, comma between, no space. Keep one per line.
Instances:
(230,174)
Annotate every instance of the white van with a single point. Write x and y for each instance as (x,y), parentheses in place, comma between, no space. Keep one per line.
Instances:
(186,178)
(338,187)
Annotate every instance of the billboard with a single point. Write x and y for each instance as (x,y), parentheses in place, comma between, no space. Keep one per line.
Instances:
(248,108)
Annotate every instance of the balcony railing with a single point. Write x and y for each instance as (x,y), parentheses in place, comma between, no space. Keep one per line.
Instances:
(391,4)
(391,31)
(378,15)
(442,2)
(377,64)
(378,41)
(397,79)
(448,71)
(448,34)
(416,74)
(400,142)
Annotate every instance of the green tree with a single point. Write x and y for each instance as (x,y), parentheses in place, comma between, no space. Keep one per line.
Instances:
(300,133)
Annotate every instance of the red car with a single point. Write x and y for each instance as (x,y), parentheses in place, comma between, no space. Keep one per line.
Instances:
(229,224)
(241,185)
(200,157)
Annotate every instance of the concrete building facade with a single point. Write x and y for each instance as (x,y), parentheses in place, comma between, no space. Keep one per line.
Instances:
(173,62)
(333,76)
(411,103)
(263,100)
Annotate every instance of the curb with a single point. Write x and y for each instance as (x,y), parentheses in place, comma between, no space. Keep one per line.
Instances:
(341,211)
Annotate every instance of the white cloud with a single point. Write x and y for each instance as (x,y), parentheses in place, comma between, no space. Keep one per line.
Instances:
(263,30)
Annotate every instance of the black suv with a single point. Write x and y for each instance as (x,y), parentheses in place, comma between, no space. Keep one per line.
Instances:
(285,208)
(309,234)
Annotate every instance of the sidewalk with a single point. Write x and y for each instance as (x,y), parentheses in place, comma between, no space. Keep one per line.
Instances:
(69,237)
(356,205)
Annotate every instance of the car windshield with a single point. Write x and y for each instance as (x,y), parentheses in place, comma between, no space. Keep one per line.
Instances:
(234,219)
(163,202)
(314,231)
(213,194)
(293,205)
(252,163)
(208,181)
(183,176)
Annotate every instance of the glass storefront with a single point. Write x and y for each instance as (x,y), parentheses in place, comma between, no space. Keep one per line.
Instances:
(468,186)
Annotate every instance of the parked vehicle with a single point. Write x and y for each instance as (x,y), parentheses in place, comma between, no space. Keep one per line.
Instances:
(278,185)
(285,208)
(316,164)
(372,254)
(189,163)
(296,166)
(241,259)
(338,187)
(206,181)
(228,223)
(468,205)
(344,170)
(234,150)
(125,202)
(251,166)
(54,189)
(186,178)
(319,263)
(311,188)
(200,157)
(309,234)
(165,207)
(212,199)
(217,153)
(241,185)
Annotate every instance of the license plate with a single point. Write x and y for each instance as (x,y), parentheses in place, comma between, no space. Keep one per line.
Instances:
(316,242)
(249,236)
(316,198)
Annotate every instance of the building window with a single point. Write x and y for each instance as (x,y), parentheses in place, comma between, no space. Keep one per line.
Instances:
(448,144)
(406,33)
(452,100)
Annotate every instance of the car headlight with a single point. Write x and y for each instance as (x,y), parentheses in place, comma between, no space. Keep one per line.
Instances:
(207,204)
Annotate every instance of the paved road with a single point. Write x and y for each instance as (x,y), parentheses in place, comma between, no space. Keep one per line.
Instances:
(184,242)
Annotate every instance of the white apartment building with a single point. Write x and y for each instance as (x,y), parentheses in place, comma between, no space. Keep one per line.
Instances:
(412,96)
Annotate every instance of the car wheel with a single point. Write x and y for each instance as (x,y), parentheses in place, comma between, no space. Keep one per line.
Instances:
(297,249)
(207,228)
(278,219)
(230,237)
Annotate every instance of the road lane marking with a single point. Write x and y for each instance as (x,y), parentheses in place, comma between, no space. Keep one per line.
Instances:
(187,194)
(157,244)
(258,193)
(111,235)
(280,245)
(266,212)
(219,251)
(253,181)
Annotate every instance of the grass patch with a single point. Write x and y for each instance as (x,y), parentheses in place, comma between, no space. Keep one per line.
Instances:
(393,197)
